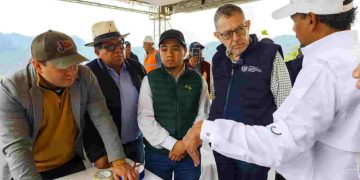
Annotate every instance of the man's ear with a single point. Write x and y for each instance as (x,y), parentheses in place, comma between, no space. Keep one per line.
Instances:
(217,35)
(97,51)
(313,21)
(37,65)
(248,23)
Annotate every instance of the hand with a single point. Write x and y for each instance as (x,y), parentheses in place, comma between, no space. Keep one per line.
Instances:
(102,163)
(178,152)
(192,141)
(193,62)
(125,172)
(356,75)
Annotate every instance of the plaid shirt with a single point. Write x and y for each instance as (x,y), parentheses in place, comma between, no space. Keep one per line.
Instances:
(280,80)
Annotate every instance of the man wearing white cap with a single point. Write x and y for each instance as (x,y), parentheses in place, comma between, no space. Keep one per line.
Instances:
(316,131)
(152,58)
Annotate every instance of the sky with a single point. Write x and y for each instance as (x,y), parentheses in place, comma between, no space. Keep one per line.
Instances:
(32,17)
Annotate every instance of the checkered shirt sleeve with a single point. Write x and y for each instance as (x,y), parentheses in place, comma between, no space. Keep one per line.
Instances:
(280,80)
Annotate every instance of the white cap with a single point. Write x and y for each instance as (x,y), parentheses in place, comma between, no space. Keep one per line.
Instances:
(148,39)
(319,7)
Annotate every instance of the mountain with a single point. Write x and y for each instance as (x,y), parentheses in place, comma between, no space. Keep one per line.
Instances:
(88,52)
(209,51)
(139,51)
(15,50)
(287,43)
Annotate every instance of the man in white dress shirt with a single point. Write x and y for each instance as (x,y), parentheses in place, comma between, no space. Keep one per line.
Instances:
(316,131)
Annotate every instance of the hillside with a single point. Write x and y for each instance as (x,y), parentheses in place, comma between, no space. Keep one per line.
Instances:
(287,43)
(15,50)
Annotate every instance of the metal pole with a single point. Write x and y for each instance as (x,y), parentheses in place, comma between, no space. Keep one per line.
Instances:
(154,28)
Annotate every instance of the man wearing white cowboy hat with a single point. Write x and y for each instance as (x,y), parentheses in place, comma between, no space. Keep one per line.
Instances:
(120,82)
(316,131)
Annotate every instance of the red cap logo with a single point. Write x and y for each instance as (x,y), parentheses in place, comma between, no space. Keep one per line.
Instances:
(64,45)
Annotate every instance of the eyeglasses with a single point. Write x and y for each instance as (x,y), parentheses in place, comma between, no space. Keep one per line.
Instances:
(112,47)
(240,31)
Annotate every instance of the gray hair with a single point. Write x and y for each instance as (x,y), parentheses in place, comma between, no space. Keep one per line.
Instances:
(226,10)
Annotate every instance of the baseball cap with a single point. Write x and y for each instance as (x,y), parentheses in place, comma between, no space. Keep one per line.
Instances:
(196,45)
(173,34)
(127,43)
(148,39)
(105,30)
(319,7)
(57,48)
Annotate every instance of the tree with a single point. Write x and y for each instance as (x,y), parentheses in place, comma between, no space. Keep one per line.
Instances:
(292,54)
(264,32)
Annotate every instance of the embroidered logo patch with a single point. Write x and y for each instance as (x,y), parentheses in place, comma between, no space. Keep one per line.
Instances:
(244,68)
(273,130)
(250,69)
(62,46)
(188,87)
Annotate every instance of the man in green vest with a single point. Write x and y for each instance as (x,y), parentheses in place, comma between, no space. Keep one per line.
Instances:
(171,98)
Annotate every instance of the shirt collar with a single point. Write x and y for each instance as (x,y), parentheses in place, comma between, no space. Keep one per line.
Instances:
(42,83)
(180,73)
(252,44)
(328,43)
(102,65)
(230,55)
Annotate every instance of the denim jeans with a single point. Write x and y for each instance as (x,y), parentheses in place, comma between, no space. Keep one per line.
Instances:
(232,169)
(135,150)
(73,166)
(162,166)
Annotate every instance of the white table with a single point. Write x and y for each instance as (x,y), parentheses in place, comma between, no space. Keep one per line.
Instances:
(88,174)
